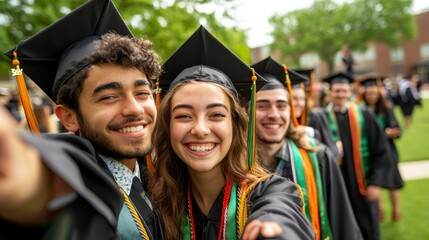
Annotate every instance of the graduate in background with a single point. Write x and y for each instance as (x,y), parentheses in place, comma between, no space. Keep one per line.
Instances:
(304,114)
(208,182)
(289,151)
(409,97)
(365,160)
(374,100)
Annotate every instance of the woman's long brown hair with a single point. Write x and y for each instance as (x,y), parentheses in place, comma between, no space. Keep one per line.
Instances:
(168,186)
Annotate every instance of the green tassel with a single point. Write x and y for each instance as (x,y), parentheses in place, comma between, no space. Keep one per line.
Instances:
(251,128)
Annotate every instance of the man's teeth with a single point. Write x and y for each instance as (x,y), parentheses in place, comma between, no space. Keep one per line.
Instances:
(201,148)
(131,129)
(272,125)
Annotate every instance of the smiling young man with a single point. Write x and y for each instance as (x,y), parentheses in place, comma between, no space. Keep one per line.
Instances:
(364,160)
(101,77)
(287,150)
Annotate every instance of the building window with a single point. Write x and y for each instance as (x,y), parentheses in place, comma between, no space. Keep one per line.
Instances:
(424,51)
(396,54)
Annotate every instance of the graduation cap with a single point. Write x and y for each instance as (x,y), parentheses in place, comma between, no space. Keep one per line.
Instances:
(55,54)
(275,74)
(204,58)
(373,80)
(311,96)
(338,78)
(308,73)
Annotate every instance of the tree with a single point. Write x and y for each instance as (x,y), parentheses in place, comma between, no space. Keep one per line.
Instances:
(167,23)
(326,26)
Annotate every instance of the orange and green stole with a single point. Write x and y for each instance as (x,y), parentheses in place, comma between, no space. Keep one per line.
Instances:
(359,142)
(307,175)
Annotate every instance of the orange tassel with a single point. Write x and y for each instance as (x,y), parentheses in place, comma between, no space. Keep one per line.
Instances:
(304,110)
(312,93)
(292,106)
(359,96)
(24,96)
(157,94)
(149,164)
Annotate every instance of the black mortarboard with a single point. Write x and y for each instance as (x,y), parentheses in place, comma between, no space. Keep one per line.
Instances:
(60,50)
(368,82)
(372,81)
(307,72)
(204,58)
(338,78)
(274,73)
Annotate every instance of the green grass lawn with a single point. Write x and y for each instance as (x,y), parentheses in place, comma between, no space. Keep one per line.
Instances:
(414,223)
(414,142)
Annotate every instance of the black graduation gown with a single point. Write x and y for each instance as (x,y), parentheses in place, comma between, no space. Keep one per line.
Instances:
(92,215)
(340,213)
(365,211)
(341,217)
(319,121)
(275,199)
(393,174)
(408,102)
(150,215)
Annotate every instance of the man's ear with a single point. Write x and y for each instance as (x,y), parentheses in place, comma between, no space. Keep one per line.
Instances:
(67,117)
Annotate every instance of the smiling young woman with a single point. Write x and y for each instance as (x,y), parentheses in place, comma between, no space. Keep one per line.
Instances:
(203,184)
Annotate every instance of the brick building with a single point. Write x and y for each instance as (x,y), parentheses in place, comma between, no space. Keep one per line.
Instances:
(412,56)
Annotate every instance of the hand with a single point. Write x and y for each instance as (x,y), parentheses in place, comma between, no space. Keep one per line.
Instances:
(265,229)
(24,180)
(373,193)
(339,145)
(393,132)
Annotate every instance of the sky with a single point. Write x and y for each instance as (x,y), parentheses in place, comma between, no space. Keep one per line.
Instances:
(254,14)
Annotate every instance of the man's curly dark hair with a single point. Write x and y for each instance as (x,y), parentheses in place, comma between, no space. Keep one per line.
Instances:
(114,49)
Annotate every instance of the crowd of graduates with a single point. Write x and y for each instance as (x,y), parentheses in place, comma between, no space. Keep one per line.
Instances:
(200,147)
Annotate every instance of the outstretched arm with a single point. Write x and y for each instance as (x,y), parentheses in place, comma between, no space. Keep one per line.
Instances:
(275,202)
(25,182)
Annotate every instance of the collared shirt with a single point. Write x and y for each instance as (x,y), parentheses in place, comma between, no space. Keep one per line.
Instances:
(336,109)
(122,174)
(284,164)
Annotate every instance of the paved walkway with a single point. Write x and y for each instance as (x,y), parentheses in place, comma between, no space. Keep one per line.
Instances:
(414,170)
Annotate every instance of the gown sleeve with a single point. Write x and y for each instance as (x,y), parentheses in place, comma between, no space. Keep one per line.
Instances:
(93,212)
(277,199)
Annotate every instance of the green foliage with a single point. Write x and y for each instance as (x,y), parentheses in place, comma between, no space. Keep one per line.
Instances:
(414,222)
(166,23)
(413,144)
(326,26)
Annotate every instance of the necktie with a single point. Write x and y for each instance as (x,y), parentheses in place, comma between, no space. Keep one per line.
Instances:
(138,193)
(143,205)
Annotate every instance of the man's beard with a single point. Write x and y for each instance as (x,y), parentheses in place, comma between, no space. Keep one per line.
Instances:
(104,146)
(266,141)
